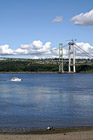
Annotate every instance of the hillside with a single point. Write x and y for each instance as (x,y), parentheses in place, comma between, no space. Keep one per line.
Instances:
(42,65)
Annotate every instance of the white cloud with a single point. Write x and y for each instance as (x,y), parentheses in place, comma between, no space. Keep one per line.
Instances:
(84,19)
(36,47)
(5,50)
(20,51)
(37,44)
(58,19)
(35,57)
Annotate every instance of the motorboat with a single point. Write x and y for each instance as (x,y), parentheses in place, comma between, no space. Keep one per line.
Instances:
(15,79)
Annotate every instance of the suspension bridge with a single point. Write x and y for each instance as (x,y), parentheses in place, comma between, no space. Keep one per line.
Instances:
(72,49)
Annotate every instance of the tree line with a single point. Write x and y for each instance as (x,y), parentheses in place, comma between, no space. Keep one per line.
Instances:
(28,66)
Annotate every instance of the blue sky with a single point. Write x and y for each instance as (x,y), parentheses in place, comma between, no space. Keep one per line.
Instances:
(25,21)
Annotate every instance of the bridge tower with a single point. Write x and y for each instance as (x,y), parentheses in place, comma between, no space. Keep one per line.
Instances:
(71,52)
(61,69)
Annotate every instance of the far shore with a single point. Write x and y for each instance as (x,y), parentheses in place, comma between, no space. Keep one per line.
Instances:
(49,72)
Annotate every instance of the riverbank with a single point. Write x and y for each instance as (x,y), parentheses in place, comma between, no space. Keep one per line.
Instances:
(80,133)
(49,72)
(28,72)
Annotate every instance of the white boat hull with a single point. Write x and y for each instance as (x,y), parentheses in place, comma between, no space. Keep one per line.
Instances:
(16,79)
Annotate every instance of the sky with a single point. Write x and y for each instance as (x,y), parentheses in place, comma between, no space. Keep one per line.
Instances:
(34,28)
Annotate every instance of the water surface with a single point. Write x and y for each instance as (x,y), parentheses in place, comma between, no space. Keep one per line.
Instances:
(42,100)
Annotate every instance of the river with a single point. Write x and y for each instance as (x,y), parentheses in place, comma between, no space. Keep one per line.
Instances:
(46,99)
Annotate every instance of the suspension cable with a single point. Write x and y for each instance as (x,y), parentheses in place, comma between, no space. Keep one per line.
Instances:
(84,52)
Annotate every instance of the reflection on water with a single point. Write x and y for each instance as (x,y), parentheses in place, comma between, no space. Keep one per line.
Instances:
(40,100)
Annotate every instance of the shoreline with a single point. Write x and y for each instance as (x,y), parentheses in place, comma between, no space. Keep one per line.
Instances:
(80,133)
(83,135)
(47,72)
(43,131)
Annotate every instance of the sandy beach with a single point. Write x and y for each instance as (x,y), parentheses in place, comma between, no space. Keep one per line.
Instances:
(74,133)
(83,135)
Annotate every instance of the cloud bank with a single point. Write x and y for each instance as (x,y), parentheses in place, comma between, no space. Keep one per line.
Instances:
(39,50)
(36,50)
(57,19)
(84,19)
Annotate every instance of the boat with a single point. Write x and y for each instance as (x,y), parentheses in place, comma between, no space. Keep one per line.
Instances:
(15,79)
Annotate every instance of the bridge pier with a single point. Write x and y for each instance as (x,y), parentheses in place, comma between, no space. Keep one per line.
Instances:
(71,45)
(61,69)
(71,52)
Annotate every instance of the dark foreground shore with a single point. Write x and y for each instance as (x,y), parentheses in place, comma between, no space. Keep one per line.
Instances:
(43,130)
(76,133)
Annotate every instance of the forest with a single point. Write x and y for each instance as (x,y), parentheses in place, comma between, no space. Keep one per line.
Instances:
(34,66)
